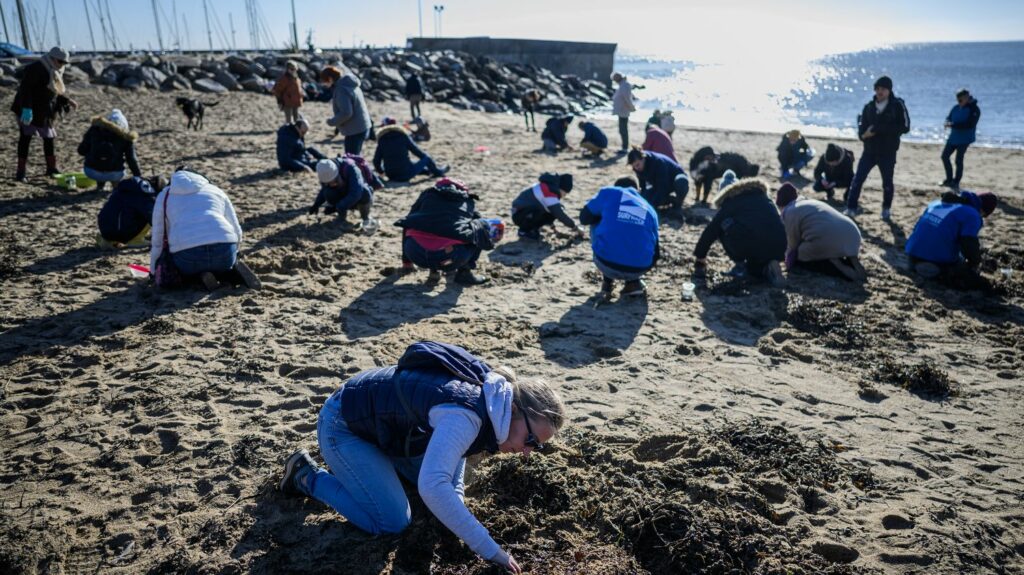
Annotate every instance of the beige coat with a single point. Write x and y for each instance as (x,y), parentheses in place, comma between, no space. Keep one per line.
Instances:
(818,232)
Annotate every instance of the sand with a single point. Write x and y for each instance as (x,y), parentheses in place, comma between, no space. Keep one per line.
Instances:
(144,431)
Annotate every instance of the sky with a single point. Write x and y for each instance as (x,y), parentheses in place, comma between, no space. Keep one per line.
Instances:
(700,31)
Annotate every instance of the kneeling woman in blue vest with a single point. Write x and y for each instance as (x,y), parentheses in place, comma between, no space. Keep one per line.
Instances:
(422,418)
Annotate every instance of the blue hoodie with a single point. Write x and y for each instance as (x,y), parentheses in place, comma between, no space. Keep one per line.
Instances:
(624,228)
(964,120)
(937,234)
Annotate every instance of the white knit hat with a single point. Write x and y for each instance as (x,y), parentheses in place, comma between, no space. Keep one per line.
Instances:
(117,118)
(326,171)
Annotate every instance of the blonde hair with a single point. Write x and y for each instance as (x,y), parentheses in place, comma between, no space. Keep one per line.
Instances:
(535,398)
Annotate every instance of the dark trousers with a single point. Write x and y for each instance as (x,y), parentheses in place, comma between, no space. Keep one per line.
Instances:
(23,144)
(354,143)
(675,197)
(624,132)
(529,119)
(425,165)
(886,163)
(457,257)
(529,220)
(960,150)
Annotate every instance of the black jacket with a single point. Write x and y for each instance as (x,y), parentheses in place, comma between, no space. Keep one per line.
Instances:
(450,213)
(789,152)
(841,174)
(747,223)
(128,210)
(34,92)
(392,155)
(554,130)
(888,126)
(107,147)
(413,86)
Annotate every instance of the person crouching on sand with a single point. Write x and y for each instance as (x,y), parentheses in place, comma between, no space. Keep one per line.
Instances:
(343,188)
(421,419)
(750,230)
(198,223)
(794,154)
(834,170)
(125,218)
(444,233)
(594,140)
(394,145)
(107,145)
(292,153)
(553,136)
(818,237)
(541,204)
(944,244)
(623,236)
(662,180)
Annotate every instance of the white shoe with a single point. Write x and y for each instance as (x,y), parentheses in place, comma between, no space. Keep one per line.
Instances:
(370,226)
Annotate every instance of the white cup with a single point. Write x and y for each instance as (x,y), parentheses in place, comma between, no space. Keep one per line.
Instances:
(688,288)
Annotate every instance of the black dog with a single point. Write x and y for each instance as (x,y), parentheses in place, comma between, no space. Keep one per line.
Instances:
(194,110)
(706,166)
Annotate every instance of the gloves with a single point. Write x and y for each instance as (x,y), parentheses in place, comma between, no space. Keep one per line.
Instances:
(26,116)
(313,210)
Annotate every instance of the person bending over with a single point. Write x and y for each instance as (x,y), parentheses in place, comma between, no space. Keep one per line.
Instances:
(541,204)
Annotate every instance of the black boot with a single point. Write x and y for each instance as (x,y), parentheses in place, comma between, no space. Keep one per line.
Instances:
(466,277)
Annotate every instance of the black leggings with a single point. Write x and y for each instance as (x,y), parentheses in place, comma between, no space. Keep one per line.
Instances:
(25,139)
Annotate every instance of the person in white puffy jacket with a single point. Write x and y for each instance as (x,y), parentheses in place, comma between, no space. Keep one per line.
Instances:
(201,230)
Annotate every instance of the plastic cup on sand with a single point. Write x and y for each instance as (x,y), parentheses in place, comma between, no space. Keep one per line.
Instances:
(688,288)
(1007,272)
(138,272)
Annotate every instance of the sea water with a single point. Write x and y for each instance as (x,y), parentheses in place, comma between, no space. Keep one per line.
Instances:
(823,96)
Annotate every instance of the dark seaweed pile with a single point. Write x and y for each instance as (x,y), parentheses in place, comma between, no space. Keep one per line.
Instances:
(836,323)
(10,254)
(921,379)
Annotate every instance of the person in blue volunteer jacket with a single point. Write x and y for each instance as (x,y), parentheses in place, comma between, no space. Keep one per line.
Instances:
(662,180)
(623,236)
(553,136)
(541,204)
(962,122)
(945,239)
(125,217)
(882,123)
(292,153)
(420,419)
(394,144)
(594,139)
(343,188)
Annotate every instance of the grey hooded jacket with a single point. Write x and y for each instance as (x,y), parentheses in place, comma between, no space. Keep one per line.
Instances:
(350,115)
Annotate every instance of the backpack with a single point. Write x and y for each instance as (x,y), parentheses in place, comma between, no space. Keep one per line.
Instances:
(369,177)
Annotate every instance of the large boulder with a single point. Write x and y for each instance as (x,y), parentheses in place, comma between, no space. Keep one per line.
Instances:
(239,66)
(108,78)
(131,83)
(74,75)
(213,66)
(253,84)
(8,81)
(224,78)
(150,77)
(392,76)
(184,62)
(175,82)
(209,86)
(93,67)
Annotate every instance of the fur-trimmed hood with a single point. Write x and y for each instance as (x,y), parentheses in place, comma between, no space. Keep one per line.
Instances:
(103,122)
(744,186)
(392,128)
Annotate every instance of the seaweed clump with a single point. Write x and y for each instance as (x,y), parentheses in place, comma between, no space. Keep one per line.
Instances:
(835,323)
(10,254)
(920,379)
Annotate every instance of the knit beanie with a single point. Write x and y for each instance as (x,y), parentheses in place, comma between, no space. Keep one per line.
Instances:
(326,171)
(833,153)
(989,201)
(117,118)
(728,179)
(58,53)
(786,195)
(884,82)
(565,183)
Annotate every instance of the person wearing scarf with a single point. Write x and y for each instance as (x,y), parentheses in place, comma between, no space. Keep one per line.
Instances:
(41,96)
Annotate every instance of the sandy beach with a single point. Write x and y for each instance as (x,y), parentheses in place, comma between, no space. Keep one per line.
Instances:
(144,431)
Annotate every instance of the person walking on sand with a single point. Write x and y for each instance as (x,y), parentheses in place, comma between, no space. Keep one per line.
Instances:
(342,188)
(394,145)
(127,215)
(444,233)
(962,122)
(945,244)
(818,237)
(196,221)
(882,123)
(751,231)
(529,103)
(794,153)
(662,180)
(622,106)
(541,204)
(623,237)
(834,170)
(40,98)
(107,145)
(594,140)
(414,93)
(292,153)
(420,419)
(288,91)
(349,108)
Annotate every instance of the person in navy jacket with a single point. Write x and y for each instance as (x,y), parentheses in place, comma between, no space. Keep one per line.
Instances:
(125,217)
(962,122)
(292,153)
(662,180)
(342,188)
(594,140)
(394,145)
(623,236)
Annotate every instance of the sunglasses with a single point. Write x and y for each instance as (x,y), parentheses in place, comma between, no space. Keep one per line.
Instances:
(531,439)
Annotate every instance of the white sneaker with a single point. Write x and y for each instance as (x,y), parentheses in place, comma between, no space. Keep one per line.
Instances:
(370,226)
(886,214)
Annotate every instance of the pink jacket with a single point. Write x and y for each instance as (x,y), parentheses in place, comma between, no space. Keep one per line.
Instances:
(659,141)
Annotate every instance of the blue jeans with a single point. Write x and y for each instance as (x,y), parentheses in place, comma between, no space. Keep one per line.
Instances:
(363,484)
(208,258)
(114,177)
(614,274)
(960,150)
(658,198)
(354,143)
(461,256)
(886,163)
